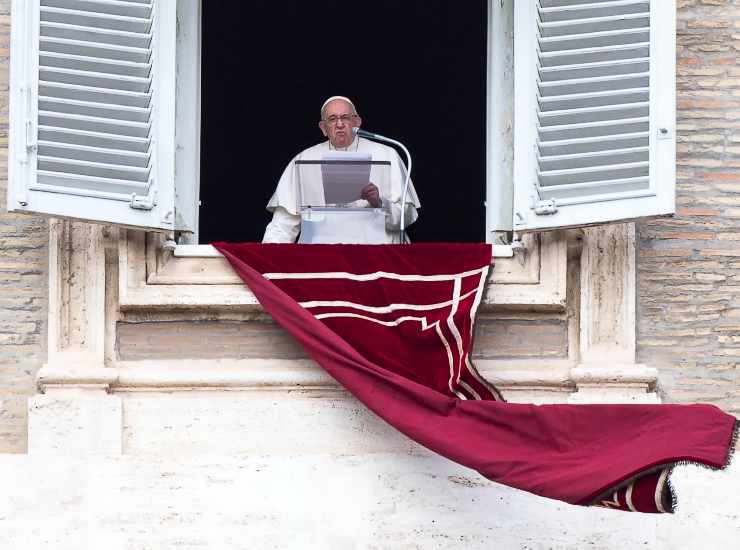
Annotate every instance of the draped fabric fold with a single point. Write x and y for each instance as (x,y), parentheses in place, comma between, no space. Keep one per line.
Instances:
(394,325)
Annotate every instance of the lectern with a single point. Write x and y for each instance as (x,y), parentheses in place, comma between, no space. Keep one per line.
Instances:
(329,202)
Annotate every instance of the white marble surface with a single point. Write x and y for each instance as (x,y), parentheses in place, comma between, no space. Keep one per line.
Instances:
(257,470)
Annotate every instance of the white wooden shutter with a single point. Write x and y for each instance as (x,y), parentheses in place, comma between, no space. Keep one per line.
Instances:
(595,111)
(92,110)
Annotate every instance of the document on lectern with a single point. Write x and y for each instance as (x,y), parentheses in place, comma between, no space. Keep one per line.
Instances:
(344,174)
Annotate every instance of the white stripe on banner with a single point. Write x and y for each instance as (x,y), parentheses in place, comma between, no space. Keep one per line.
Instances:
(628,497)
(454,303)
(382,309)
(453,327)
(659,490)
(470,390)
(372,276)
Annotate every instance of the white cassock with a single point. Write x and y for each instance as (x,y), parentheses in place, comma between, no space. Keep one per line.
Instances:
(284,204)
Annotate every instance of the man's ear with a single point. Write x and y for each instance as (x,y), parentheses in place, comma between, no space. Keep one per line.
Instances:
(358,121)
(322,126)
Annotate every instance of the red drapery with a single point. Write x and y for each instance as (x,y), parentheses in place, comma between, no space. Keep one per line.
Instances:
(394,325)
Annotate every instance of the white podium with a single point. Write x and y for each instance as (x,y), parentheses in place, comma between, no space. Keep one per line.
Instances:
(326,225)
(329,199)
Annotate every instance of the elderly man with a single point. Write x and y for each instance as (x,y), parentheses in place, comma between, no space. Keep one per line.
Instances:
(338,117)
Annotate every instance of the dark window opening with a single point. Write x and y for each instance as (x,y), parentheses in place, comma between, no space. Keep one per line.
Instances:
(415,69)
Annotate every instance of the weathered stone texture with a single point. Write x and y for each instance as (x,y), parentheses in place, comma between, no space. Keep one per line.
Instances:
(497,337)
(23,286)
(689,266)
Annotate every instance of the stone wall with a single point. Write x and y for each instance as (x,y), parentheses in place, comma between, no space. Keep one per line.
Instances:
(499,335)
(689,266)
(23,286)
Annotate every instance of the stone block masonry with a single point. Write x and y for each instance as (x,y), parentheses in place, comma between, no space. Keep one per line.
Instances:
(689,266)
(23,286)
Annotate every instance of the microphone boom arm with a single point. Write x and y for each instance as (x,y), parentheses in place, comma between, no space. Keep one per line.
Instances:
(370,135)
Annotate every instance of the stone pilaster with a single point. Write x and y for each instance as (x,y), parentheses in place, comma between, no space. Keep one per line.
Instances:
(606,370)
(74,413)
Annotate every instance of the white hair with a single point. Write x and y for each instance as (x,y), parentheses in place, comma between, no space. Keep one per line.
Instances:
(332,98)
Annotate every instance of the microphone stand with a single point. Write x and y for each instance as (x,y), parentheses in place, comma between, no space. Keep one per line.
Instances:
(377,137)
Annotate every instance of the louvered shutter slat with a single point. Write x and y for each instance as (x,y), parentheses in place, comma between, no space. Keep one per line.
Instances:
(94,104)
(94,80)
(95,50)
(587,10)
(593,173)
(110,7)
(97,36)
(594,84)
(556,148)
(92,139)
(99,110)
(594,55)
(594,114)
(93,124)
(593,25)
(604,39)
(591,70)
(95,20)
(612,188)
(594,99)
(92,94)
(594,158)
(95,64)
(86,168)
(593,129)
(89,186)
(95,154)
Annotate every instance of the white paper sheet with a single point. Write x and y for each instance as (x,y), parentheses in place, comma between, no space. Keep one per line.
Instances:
(344,176)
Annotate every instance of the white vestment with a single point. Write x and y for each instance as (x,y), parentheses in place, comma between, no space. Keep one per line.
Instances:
(284,204)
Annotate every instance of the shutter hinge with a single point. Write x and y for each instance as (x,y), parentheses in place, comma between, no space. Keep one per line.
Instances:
(545,207)
(29,130)
(31,144)
(143,203)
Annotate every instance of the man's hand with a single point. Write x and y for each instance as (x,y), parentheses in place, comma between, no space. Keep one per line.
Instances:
(371,194)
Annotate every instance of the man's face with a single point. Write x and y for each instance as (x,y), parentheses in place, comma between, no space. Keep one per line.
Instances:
(338,123)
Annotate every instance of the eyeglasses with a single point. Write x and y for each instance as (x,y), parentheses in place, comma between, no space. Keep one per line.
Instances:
(334,119)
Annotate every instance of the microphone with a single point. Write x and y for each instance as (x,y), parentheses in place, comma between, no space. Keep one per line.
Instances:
(377,137)
(364,133)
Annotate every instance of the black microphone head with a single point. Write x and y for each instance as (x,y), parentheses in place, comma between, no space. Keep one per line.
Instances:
(363,133)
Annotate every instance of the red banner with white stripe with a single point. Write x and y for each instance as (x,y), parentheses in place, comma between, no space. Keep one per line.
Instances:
(394,325)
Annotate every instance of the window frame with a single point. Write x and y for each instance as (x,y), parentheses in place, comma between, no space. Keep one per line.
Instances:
(153,274)
(177,167)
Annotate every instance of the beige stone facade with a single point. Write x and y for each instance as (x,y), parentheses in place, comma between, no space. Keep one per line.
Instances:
(23,287)
(689,266)
(166,368)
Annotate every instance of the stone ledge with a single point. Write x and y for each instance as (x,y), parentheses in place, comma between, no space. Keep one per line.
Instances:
(586,373)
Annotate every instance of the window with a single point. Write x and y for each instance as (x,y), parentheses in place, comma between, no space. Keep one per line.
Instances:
(96,135)
(416,70)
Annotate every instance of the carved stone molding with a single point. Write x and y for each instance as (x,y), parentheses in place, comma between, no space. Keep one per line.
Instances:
(75,413)
(77,272)
(606,370)
(153,278)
